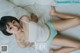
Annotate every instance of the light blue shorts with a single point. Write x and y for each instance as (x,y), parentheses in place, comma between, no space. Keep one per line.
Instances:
(53,32)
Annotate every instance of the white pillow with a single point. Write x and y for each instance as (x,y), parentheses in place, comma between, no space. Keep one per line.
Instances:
(5,7)
(28,2)
(8,9)
(22,2)
(17,12)
(45,2)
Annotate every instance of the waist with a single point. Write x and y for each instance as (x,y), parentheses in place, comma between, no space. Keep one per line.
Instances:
(52,31)
(49,31)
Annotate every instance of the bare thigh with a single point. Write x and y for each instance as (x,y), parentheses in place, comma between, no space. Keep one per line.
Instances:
(61,25)
(65,41)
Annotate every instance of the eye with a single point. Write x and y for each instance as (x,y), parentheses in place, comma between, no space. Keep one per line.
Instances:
(10,28)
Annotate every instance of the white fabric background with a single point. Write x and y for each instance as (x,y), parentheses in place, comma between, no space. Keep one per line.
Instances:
(41,9)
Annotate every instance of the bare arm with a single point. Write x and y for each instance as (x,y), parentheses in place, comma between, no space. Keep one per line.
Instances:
(33,18)
(24,44)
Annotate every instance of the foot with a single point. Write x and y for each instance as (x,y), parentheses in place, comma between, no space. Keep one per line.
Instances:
(53,11)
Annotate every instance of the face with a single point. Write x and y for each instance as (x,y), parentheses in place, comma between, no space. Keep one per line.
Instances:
(13,27)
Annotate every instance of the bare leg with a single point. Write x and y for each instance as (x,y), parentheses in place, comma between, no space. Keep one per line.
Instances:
(61,25)
(63,50)
(53,12)
(68,44)
(68,22)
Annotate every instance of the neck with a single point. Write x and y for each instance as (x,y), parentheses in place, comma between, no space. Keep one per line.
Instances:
(21,29)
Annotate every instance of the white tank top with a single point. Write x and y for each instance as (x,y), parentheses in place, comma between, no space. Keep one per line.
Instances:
(37,32)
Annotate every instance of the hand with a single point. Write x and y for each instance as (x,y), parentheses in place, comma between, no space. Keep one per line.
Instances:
(29,44)
(34,17)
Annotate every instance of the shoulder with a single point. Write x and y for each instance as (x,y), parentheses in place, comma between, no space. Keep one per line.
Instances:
(24,18)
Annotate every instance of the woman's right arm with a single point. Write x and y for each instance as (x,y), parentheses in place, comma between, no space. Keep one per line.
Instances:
(22,44)
(26,18)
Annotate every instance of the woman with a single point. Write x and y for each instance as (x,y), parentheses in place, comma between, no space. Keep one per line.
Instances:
(27,31)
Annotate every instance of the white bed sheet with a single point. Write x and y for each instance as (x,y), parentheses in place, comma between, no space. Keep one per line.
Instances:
(42,11)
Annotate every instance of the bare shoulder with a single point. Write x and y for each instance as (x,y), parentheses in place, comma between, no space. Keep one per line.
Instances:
(24,18)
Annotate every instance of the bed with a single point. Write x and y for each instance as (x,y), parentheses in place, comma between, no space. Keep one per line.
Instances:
(41,8)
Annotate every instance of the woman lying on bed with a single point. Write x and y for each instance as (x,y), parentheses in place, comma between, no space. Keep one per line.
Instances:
(27,31)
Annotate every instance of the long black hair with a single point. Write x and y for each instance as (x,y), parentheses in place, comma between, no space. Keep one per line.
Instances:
(3,22)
